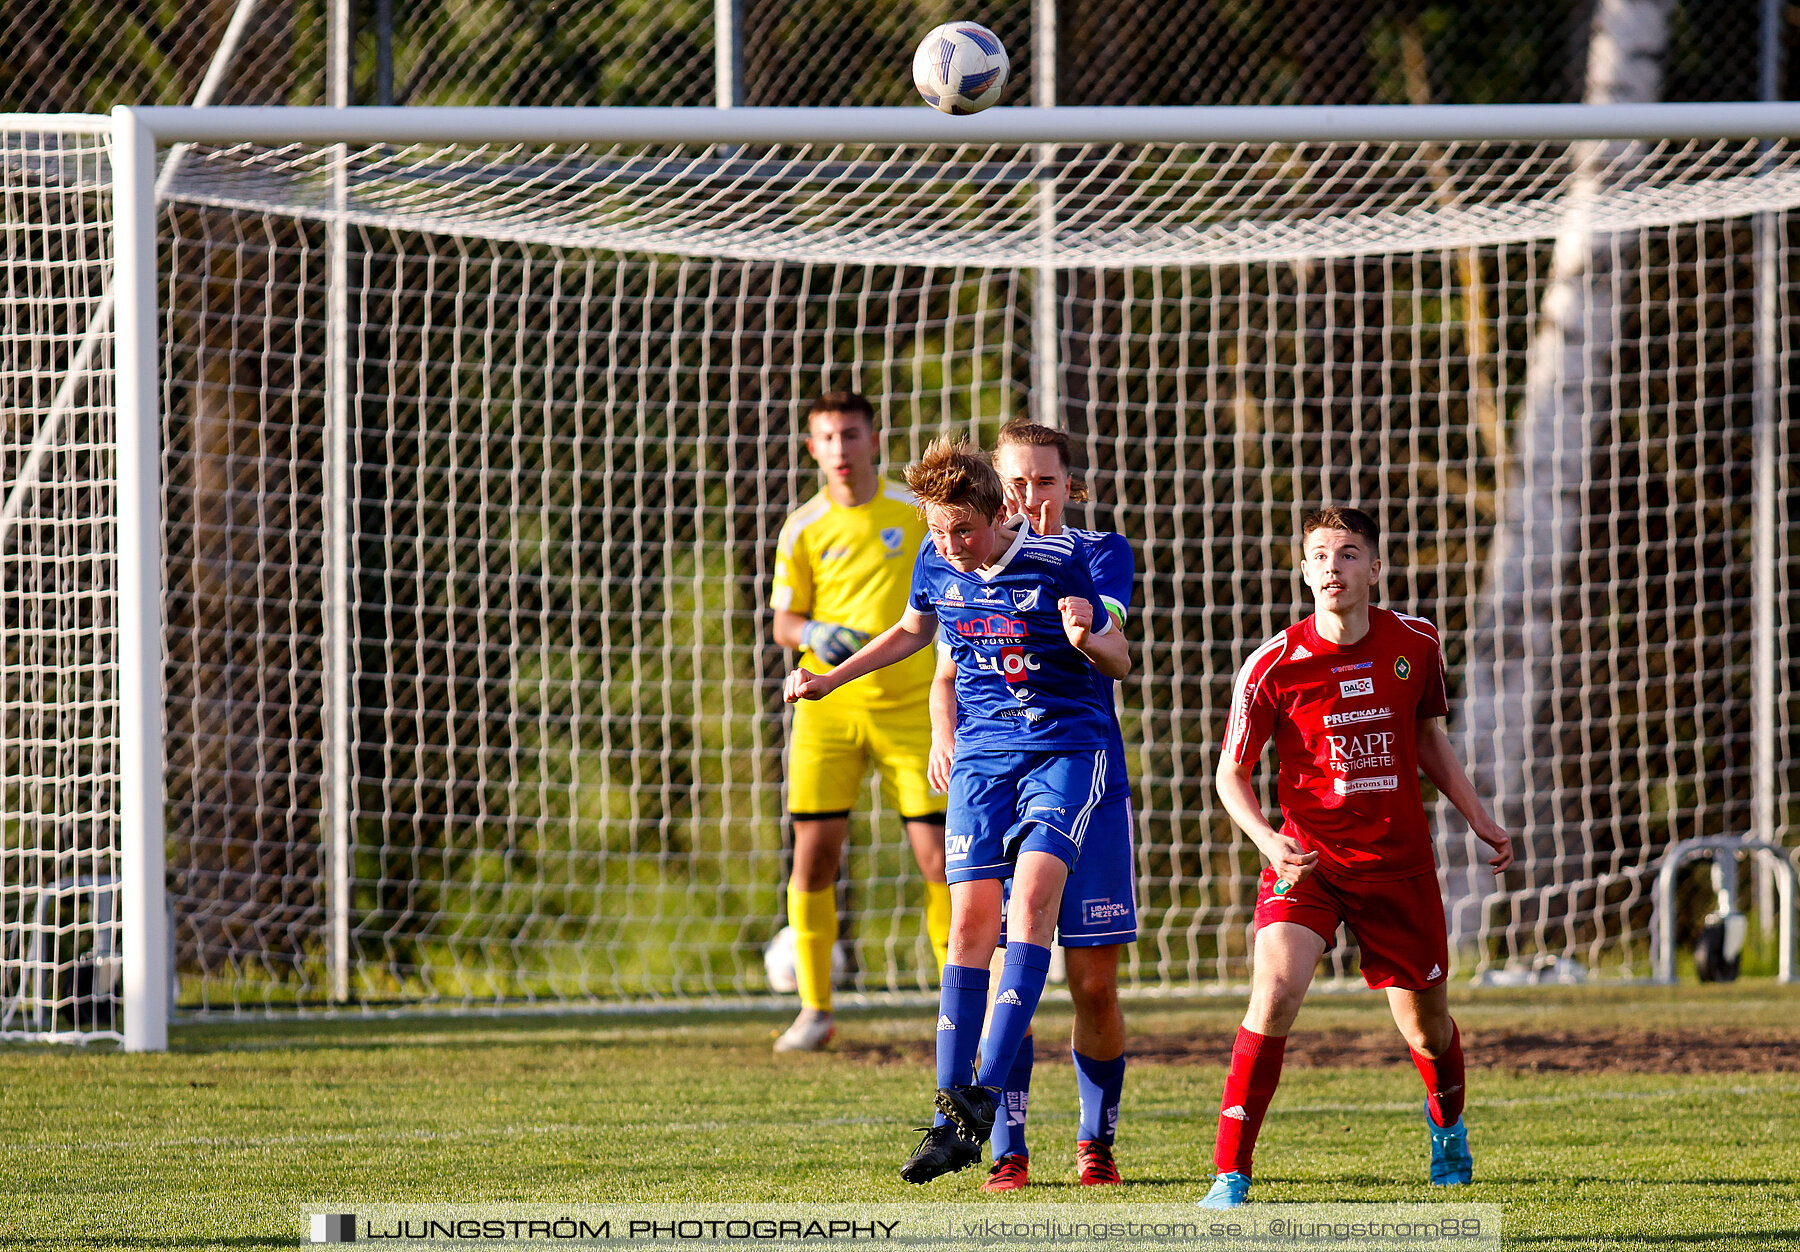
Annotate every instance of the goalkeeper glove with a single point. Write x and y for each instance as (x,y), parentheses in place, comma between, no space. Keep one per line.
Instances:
(831,643)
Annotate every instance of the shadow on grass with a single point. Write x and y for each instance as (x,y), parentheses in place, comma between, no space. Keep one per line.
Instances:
(1787,1238)
(164,1241)
(1613,1180)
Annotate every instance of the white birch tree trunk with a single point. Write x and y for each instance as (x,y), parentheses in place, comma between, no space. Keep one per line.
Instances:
(1514,671)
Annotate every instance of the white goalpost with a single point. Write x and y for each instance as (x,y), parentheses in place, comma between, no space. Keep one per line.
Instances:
(417,515)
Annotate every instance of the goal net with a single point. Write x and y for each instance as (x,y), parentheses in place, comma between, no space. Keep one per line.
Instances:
(569,427)
(59,731)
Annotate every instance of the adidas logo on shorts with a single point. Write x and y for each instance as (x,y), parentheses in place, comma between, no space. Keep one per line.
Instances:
(944,1022)
(1236,1113)
(1009,996)
(1436,969)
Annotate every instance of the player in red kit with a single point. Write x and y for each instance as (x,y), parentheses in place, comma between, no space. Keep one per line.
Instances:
(1352,697)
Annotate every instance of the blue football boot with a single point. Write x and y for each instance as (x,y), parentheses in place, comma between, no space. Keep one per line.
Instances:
(1228,1191)
(1451,1164)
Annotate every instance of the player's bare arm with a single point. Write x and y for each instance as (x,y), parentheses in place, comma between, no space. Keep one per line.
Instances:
(1237,793)
(912,632)
(943,724)
(788,628)
(1437,761)
(1108,650)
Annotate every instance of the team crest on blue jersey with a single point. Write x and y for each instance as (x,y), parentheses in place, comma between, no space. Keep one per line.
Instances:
(891,538)
(1402,669)
(1025,601)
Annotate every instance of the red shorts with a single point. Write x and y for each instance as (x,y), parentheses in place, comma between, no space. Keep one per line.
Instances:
(1398,923)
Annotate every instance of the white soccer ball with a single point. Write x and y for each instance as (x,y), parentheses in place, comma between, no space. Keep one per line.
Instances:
(778,962)
(960,68)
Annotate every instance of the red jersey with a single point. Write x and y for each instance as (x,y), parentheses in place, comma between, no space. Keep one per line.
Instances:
(1344,721)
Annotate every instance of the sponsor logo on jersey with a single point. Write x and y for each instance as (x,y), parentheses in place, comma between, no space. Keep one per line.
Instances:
(837,554)
(1015,665)
(954,593)
(1026,600)
(958,846)
(990,595)
(1043,808)
(999,626)
(1351,754)
(1009,996)
(1351,688)
(1096,912)
(1236,1113)
(1356,716)
(1345,669)
(1402,669)
(891,539)
(1300,653)
(1351,786)
(1242,712)
(944,1022)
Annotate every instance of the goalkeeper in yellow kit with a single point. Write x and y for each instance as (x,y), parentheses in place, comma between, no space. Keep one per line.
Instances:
(843,568)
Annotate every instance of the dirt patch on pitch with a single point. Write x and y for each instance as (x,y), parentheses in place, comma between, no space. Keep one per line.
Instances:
(1586,1052)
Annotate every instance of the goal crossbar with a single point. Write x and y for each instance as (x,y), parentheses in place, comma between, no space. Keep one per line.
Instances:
(1184,125)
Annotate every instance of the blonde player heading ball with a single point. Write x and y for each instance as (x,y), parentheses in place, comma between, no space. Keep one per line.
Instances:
(1352,697)
(1033,658)
(1099,907)
(843,569)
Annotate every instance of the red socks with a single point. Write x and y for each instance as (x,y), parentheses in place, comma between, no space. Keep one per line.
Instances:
(1255,1070)
(1443,1081)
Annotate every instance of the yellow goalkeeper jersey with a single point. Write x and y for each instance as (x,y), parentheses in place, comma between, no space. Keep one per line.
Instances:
(854,567)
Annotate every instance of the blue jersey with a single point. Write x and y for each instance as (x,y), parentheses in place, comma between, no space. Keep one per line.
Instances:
(1111,565)
(1114,571)
(1021,686)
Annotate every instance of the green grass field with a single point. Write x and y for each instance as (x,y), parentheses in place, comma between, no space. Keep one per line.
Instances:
(221,1141)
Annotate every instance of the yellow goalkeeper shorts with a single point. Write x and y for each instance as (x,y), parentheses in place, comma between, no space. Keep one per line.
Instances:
(833,745)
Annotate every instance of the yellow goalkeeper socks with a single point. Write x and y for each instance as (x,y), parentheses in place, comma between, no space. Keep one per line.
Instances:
(937,921)
(813,915)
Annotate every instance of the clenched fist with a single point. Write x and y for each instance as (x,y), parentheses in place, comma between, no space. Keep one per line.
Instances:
(1077,619)
(803,684)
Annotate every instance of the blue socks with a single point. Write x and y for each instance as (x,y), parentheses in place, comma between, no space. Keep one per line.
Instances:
(1009,1121)
(962,1003)
(1100,1083)
(1021,985)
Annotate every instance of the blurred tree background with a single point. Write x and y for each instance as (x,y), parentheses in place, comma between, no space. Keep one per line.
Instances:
(88,55)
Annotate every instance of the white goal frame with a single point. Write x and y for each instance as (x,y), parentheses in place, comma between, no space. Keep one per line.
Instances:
(137,132)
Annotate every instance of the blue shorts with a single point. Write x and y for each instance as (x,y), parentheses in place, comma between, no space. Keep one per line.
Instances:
(1006,803)
(1099,901)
